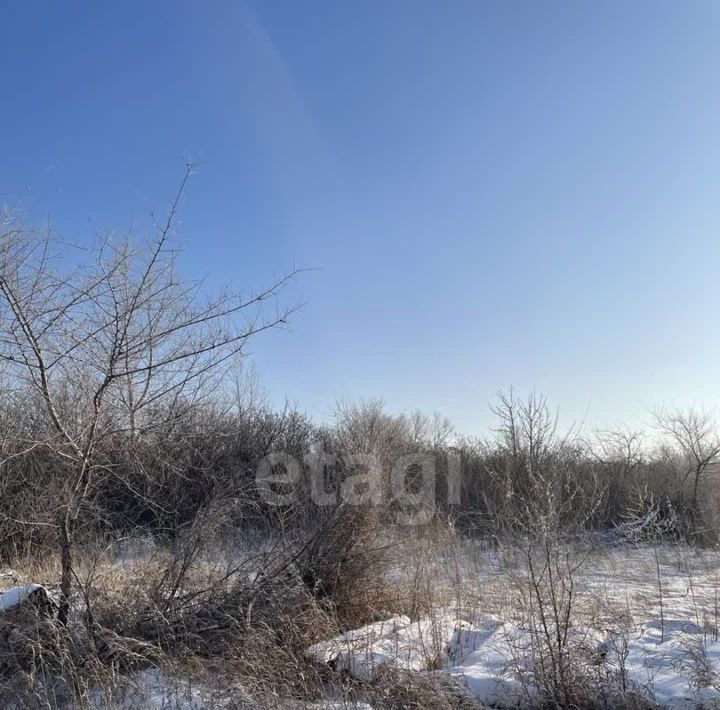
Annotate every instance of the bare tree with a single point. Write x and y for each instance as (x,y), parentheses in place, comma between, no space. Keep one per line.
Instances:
(694,436)
(105,342)
(619,455)
(543,501)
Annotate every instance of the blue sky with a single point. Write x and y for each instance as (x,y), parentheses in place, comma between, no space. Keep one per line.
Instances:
(492,193)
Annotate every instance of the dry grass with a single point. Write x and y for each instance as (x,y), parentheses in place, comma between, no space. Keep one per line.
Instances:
(413,690)
(234,629)
(237,624)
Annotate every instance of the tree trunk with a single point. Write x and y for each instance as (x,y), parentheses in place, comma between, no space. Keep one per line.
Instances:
(696,484)
(65,570)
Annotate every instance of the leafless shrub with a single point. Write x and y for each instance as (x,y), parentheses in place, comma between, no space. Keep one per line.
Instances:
(692,448)
(543,513)
(345,564)
(192,605)
(695,663)
(618,457)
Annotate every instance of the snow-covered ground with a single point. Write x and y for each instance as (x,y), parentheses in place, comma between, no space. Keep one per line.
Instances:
(644,619)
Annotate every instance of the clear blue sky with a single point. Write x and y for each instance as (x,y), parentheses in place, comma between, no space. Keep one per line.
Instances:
(495,193)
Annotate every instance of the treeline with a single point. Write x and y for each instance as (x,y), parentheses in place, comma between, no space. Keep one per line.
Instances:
(259,468)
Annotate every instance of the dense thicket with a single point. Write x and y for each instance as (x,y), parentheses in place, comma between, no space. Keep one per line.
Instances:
(211,456)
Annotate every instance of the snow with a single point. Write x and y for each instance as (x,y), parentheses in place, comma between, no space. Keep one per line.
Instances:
(16,595)
(484,655)
(398,641)
(665,647)
(474,651)
(664,637)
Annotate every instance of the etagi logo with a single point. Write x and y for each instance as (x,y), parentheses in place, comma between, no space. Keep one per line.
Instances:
(409,487)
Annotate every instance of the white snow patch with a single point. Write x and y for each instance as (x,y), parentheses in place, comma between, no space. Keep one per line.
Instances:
(16,595)
(661,663)
(397,641)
